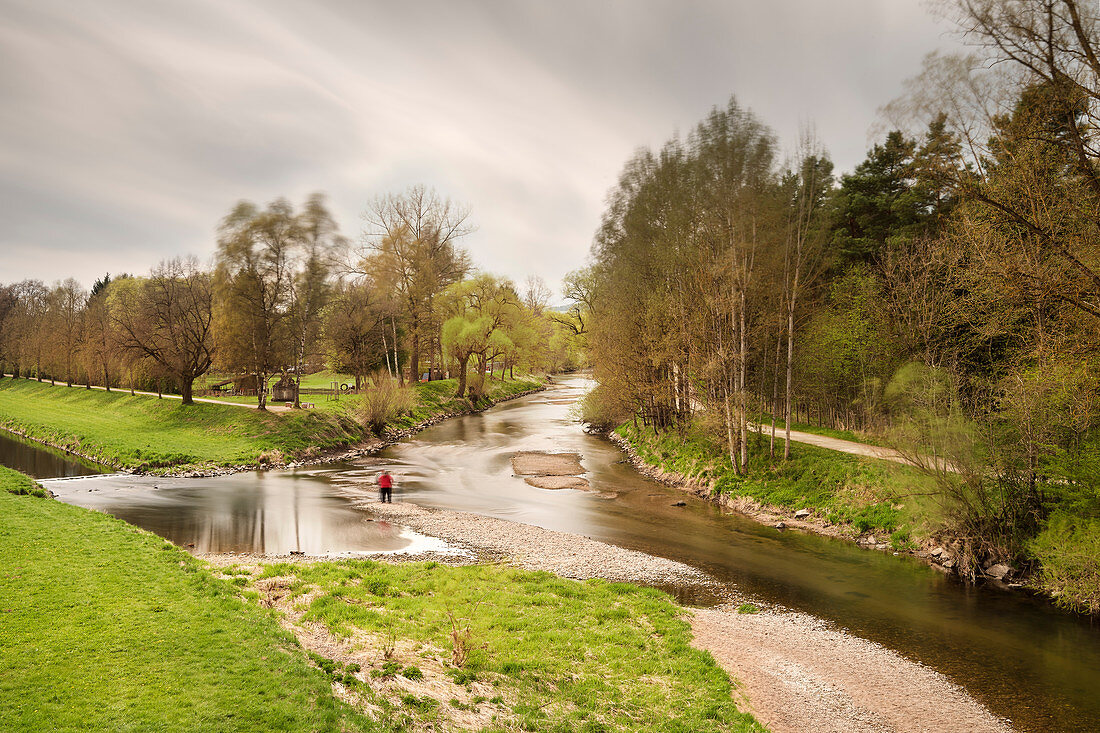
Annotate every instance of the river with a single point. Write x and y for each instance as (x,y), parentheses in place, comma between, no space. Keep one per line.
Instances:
(1024,659)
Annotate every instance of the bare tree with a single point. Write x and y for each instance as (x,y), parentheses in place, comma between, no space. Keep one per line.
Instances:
(411,247)
(167,319)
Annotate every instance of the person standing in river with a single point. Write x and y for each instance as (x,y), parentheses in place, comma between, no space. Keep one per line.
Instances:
(385,487)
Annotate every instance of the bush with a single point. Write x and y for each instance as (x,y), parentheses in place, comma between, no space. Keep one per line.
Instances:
(383,402)
(1069,551)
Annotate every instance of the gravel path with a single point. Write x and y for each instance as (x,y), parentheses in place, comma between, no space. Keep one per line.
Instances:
(798,674)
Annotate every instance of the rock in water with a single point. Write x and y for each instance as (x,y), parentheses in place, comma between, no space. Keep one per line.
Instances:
(780,525)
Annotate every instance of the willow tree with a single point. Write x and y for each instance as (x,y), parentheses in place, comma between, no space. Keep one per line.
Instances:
(254,277)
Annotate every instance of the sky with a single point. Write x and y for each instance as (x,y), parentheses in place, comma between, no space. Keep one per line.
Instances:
(129,129)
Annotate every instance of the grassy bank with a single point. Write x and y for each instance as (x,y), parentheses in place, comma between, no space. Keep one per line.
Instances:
(142,433)
(430,399)
(106,627)
(148,434)
(865,494)
(541,653)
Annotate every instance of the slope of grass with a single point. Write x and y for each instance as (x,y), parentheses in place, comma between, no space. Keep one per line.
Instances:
(868,494)
(432,398)
(19,484)
(106,627)
(149,434)
(545,653)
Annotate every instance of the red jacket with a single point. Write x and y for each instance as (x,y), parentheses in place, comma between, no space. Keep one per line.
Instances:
(385,481)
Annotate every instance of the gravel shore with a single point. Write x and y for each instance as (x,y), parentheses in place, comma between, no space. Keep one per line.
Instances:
(799,674)
(535,548)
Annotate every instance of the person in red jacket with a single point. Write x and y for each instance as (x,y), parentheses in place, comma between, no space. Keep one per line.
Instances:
(385,487)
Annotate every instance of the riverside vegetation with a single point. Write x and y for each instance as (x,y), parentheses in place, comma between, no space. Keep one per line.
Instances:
(143,433)
(943,297)
(142,635)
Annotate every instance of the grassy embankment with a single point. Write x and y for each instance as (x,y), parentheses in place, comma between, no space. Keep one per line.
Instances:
(107,627)
(148,434)
(866,494)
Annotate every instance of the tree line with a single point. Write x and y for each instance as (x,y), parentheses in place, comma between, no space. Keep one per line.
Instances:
(944,294)
(288,294)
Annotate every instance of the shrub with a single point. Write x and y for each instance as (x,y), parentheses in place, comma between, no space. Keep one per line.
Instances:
(1069,551)
(383,402)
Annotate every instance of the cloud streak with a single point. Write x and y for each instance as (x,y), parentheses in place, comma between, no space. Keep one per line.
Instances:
(130,128)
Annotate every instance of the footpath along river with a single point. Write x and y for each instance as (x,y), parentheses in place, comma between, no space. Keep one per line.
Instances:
(1025,660)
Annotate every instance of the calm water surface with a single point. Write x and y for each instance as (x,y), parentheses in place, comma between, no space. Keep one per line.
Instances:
(35,459)
(1024,659)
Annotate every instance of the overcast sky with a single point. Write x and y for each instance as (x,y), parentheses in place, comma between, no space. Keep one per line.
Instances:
(128,129)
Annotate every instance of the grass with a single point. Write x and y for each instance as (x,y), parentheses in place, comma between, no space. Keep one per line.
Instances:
(867,494)
(433,398)
(19,484)
(554,654)
(148,434)
(142,433)
(107,627)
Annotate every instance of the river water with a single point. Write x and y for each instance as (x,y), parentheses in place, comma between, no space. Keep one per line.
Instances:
(1024,659)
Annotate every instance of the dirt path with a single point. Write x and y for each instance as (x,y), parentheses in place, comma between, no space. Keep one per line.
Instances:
(798,674)
(837,444)
(165,395)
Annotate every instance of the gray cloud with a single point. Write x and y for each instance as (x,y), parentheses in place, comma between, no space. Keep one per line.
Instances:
(129,128)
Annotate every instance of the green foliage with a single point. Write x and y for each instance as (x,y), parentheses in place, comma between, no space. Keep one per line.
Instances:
(847,489)
(1068,549)
(564,654)
(140,636)
(148,434)
(748,608)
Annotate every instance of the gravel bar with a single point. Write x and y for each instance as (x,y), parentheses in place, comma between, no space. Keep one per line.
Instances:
(800,674)
(535,548)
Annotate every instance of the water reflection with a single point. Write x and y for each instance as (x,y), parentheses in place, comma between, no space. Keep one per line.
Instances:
(39,461)
(273,513)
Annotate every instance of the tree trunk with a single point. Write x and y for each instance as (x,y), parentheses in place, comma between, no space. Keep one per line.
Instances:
(729,432)
(396,362)
(742,397)
(261,393)
(790,378)
(462,364)
(187,385)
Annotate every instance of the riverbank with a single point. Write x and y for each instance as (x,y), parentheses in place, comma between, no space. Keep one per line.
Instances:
(141,636)
(143,434)
(107,627)
(792,671)
(858,498)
